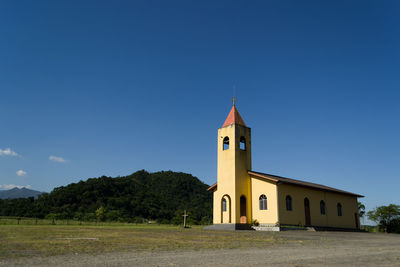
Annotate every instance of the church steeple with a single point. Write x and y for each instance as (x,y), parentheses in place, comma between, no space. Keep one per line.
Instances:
(234,117)
(233,196)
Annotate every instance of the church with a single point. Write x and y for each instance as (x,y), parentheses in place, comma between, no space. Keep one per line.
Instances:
(242,196)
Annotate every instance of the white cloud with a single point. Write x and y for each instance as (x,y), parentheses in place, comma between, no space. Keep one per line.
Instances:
(8,152)
(11,186)
(57,159)
(21,173)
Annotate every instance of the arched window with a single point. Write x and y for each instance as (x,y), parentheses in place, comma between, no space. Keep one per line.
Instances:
(339,209)
(242,143)
(288,202)
(322,207)
(223,204)
(226,143)
(226,209)
(263,202)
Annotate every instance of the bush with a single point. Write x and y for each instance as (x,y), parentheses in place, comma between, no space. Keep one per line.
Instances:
(90,217)
(113,215)
(205,220)
(255,223)
(394,226)
(138,219)
(164,221)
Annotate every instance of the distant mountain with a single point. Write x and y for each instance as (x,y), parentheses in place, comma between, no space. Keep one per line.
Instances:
(18,193)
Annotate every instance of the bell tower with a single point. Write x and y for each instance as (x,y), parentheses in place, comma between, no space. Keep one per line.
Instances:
(232,199)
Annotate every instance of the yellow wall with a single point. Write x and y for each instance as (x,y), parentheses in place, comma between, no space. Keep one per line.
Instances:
(242,165)
(331,219)
(233,179)
(225,174)
(269,189)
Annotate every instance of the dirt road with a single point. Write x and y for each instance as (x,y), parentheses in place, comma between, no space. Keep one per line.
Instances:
(298,248)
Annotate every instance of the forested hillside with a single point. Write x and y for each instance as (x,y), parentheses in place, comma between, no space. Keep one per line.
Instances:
(160,196)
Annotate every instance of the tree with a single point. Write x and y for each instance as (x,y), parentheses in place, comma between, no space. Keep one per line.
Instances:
(100,214)
(388,217)
(361,209)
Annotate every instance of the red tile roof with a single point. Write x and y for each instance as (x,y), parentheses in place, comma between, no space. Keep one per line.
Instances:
(234,118)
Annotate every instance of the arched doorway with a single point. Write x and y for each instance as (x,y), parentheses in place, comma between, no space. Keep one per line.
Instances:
(226,209)
(243,210)
(307,211)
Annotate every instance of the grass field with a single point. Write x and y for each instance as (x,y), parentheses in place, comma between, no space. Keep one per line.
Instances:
(115,244)
(46,240)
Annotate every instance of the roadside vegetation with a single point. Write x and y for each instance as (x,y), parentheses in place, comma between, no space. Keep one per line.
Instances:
(9,220)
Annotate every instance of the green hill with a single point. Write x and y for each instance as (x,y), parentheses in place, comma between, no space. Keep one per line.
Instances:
(160,196)
(18,193)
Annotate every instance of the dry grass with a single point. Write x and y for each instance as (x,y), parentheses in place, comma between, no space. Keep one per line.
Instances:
(46,240)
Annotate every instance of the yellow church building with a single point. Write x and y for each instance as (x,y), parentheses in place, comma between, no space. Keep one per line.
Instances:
(242,195)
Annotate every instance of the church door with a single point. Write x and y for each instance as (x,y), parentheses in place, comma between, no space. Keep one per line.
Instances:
(307,211)
(243,216)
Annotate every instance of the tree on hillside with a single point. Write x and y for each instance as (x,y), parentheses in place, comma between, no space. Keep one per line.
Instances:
(387,217)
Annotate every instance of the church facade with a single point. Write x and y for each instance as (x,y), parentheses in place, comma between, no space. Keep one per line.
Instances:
(242,195)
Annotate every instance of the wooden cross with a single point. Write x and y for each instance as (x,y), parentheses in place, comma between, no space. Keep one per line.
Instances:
(184,219)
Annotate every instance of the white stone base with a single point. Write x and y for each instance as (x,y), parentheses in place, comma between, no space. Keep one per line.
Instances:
(267,228)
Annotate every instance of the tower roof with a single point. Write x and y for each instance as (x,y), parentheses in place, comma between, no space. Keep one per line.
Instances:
(234,118)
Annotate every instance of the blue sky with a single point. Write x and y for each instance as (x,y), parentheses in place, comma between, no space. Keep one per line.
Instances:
(111,87)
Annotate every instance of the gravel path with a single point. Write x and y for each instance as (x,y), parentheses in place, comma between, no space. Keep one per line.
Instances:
(300,249)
